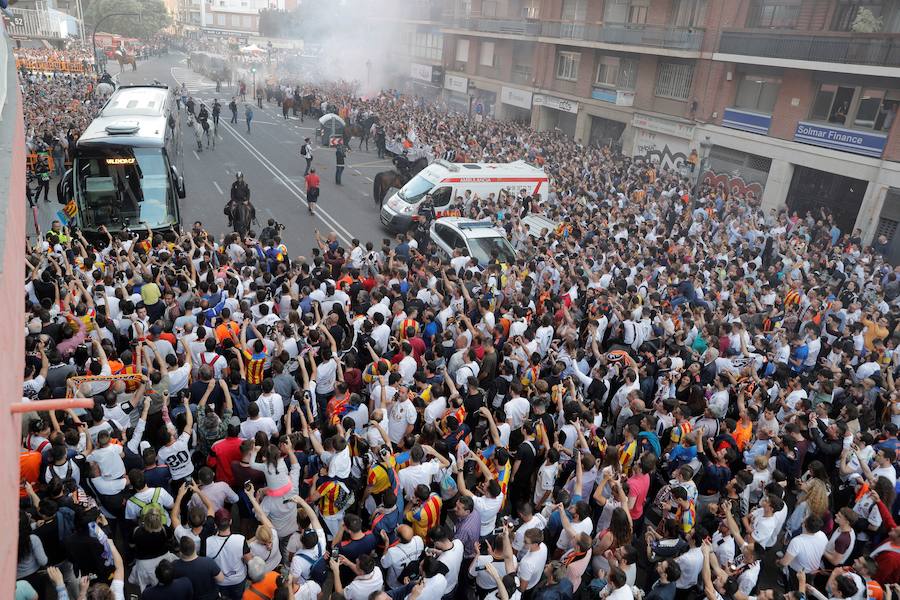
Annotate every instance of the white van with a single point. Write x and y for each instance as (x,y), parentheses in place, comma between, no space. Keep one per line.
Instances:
(445,181)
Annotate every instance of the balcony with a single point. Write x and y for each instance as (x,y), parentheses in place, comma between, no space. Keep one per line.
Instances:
(877,50)
(526,27)
(631,34)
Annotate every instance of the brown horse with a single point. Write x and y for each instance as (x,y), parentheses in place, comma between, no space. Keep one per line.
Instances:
(126,59)
(361,130)
(386,180)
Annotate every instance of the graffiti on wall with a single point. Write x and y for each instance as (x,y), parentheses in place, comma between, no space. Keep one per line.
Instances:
(735,184)
(666,151)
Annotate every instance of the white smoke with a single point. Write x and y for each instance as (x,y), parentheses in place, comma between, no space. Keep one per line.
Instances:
(356,40)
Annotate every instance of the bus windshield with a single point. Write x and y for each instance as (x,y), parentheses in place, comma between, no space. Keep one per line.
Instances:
(416,189)
(123,187)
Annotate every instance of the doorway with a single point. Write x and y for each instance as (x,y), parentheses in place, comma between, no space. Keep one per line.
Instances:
(842,196)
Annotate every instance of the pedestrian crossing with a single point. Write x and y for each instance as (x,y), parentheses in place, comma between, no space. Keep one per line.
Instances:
(195,82)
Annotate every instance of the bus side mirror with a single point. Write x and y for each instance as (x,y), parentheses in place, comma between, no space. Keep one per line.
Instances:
(64,188)
(179,182)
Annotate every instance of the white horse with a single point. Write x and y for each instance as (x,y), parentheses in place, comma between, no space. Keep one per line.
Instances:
(198,131)
(105,89)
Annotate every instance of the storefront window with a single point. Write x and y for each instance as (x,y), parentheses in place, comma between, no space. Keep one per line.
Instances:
(757,92)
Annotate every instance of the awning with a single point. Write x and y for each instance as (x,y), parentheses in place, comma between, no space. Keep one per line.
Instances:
(326,119)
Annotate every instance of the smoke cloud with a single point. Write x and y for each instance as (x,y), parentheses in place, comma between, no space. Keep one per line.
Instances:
(354,40)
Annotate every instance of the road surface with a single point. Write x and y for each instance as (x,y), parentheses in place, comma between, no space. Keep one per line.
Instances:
(269,158)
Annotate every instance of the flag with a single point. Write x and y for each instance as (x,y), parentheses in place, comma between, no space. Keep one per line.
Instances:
(70,209)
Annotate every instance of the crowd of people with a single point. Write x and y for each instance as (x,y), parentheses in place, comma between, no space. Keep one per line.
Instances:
(669,396)
(58,107)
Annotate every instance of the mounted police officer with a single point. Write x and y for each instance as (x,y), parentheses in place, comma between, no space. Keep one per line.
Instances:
(240,192)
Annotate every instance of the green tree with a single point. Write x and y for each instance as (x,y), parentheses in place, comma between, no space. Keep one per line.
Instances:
(154,17)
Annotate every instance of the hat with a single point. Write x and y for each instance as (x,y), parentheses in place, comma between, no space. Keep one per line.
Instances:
(233,421)
(156,330)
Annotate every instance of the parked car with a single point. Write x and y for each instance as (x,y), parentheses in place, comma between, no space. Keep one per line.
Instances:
(479,239)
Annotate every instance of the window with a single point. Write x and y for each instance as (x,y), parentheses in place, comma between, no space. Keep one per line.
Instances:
(774,14)
(674,80)
(757,92)
(574,10)
(567,65)
(486,54)
(615,11)
(220,19)
(847,10)
(612,71)
(246,21)
(637,15)
(832,103)
(462,50)
(427,45)
(870,110)
(531,9)
(489,8)
(690,13)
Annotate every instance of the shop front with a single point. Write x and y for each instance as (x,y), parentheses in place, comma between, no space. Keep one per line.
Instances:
(484,103)
(812,189)
(456,93)
(556,113)
(425,80)
(662,141)
(606,132)
(516,104)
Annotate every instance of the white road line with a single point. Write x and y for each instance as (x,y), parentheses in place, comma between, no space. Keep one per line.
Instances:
(227,170)
(215,183)
(370,180)
(196,155)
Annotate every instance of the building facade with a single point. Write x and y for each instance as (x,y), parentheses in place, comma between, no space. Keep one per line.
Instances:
(224,17)
(793,101)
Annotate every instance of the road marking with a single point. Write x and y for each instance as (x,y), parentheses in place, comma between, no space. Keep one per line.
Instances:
(372,163)
(216,183)
(196,155)
(370,180)
(227,170)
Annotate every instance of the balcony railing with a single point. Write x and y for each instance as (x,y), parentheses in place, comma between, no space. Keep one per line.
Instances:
(632,34)
(493,25)
(859,49)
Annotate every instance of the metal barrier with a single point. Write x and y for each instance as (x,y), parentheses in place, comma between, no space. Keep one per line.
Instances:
(55,66)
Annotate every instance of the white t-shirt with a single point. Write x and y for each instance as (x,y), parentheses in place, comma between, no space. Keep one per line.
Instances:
(109,459)
(363,586)
(412,476)
(228,552)
(488,509)
(400,415)
(764,528)
(566,542)
(326,373)
(309,590)
(807,550)
(435,410)
(531,566)
(397,557)
(433,588)
(178,458)
(179,378)
(305,557)
(537,522)
(691,563)
(251,426)
(133,510)
(452,559)
(271,405)
(516,410)
(545,479)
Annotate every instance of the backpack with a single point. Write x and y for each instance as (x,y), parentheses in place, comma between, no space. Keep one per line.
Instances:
(146,507)
(68,482)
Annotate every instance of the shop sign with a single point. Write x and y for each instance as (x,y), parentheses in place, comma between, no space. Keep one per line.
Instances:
(839,138)
(556,103)
(516,97)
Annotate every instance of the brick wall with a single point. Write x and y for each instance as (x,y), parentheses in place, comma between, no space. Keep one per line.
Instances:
(794,84)
(646,82)
(660,12)
(892,148)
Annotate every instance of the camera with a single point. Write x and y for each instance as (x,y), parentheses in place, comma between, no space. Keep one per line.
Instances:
(279,227)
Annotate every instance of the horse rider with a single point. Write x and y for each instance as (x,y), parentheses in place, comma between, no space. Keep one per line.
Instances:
(425,216)
(198,131)
(240,192)
(203,120)
(107,78)
(190,105)
(380,140)
(403,164)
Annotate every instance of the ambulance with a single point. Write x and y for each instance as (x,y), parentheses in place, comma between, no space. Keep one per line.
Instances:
(446,181)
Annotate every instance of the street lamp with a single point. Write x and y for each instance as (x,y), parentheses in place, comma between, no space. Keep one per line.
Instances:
(253,70)
(705,146)
(94,33)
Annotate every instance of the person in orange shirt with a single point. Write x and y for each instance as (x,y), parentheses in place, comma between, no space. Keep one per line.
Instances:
(29,469)
(228,328)
(876,329)
(263,584)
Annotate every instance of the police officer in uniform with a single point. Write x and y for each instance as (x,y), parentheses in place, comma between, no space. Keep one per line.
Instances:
(240,192)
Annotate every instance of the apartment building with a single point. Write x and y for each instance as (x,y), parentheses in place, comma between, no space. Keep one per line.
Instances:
(788,100)
(224,17)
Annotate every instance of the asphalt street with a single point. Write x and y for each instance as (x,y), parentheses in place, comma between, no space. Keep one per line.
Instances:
(269,157)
